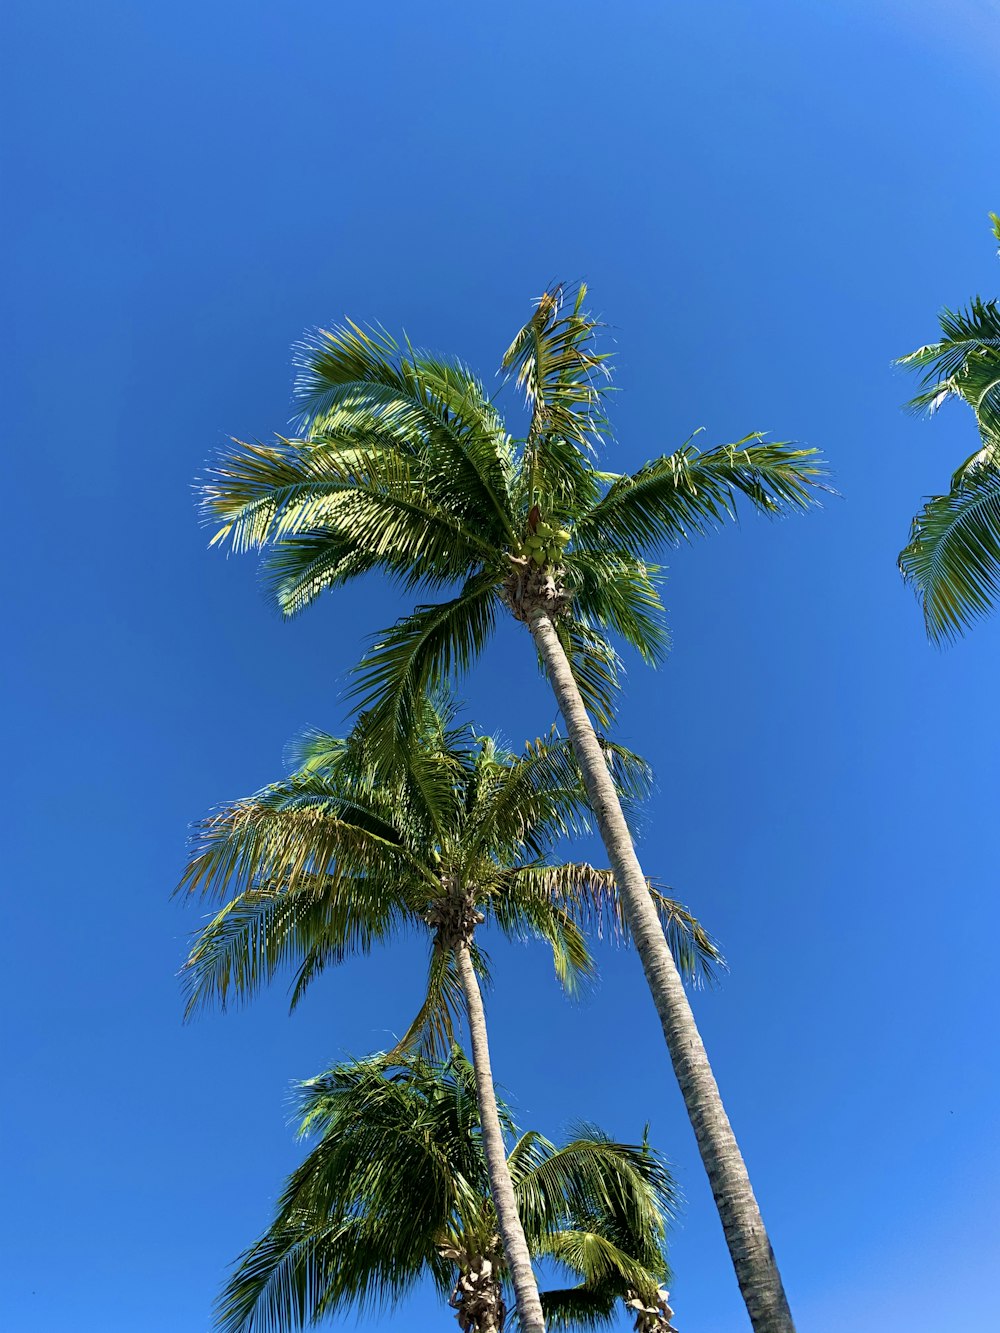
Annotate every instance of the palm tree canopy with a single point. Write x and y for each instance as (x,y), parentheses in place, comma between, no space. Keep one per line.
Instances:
(340,856)
(403,462)
(952,559)
(396,1189)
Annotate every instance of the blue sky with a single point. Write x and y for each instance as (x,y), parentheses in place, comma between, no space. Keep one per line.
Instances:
(769,202)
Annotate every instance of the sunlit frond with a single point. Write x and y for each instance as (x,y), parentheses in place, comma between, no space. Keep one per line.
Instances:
(265,932)
(398,1167)
(553,362)
(689,492)
(434,408)
(615,590)
(269,839)
(964,363)
(432,1031)
(591,896)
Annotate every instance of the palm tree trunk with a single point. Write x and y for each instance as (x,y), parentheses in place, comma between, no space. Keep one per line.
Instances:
(529,1307)
(749,1246)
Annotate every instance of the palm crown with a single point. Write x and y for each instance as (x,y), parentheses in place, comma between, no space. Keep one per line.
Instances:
(397,1189)
(339,857)
(404,463)
(952,559)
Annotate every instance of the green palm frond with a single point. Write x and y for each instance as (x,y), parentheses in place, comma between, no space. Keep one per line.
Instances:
(964,363)
(432,1031)
(591,896)
(952,559)
(689,492)
(600,1259)
(553,362)
(435,408)
(299,568)
(526,914)
(526,802)
(263,932)
(574,1308)
(436,642)
(302,1267)
(593,1175)
(360,1222)
(616,590)
(369,501)
(266,840)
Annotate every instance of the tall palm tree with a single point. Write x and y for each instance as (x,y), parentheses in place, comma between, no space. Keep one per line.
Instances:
(404,463)
(397,1189)
(952,559)
(341,856)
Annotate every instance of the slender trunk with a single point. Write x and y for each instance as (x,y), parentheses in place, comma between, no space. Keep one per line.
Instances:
(749,1247)
(529,1307)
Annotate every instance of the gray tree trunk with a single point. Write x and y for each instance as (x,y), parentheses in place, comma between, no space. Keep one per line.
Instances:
(749,1246)
(522,1276)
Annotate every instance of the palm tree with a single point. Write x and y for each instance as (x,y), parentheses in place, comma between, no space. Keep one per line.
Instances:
(397,1189)
(341,856)
(404,464)
(952,559)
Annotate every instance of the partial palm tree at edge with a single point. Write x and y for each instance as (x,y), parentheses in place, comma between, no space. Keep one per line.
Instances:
(952,559)
(405,464)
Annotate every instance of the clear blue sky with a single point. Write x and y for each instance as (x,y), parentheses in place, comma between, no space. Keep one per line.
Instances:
(770,202)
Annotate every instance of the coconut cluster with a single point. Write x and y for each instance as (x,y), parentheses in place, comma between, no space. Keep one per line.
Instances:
(545,543)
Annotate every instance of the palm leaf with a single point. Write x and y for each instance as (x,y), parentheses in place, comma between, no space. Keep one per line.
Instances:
(592,896)
(615,590)
(264,931)
(965,363)
(434,643)
(581,1307)
(434,409)
(553,362)
(689,492)
(952,559)
(266,840)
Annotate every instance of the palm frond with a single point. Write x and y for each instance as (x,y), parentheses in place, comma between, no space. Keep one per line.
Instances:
(591,896)
(593,1254)
(300,568)
(952,559)
(433,643)
(964,363)
(525,914)
(619,592)
(581,1307)
(689,492)
(525,803)
(553,362)
(432,1031)
(432,408)
(372,503)
(290,832)
(263,932)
